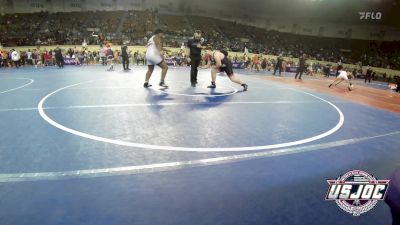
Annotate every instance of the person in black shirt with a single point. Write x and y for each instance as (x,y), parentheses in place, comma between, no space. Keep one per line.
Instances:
(125,57)
(368,75)
(354,73)
(59,57)
(301,67)
(278,65)
(327,70)
(194,44)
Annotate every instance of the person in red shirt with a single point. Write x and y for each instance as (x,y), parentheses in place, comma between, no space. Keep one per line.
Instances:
(1,58)
(47,58)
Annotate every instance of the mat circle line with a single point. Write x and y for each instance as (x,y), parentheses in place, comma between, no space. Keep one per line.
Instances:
(16,88)
(43,114)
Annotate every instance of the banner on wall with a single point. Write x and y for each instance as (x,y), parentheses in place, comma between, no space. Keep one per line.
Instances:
(238,65)
(69,61)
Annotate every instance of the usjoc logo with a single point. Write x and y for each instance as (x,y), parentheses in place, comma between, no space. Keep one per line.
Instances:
(356,191)
(370,15)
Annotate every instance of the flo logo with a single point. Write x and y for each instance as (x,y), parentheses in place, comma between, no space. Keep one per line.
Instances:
(370,15)
(356,191)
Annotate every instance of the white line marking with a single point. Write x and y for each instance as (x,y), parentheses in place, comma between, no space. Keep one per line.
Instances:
(14,89)
(193,149)
(88,88)
(158,167)
(156,104)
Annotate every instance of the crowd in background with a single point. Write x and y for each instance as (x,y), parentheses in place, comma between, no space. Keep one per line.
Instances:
(47,57)
(135,27)
(43,57)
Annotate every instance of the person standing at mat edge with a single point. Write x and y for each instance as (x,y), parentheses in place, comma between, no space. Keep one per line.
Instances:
(16,58)
(194,44)
(59,57)
(125,57)
(110,57)
(102,55)
(154,57)
(301,67)
(278,65)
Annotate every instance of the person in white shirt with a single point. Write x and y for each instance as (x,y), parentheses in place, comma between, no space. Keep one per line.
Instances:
(102,55)
(84,45)
(16,57)
(29,57)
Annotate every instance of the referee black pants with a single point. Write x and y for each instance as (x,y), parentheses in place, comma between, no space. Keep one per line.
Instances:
(60,62)
(194,63)
(300,71)
(125,62)
(278,67)
(367,78)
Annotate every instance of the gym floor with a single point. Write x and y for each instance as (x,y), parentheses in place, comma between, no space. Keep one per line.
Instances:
(81,145)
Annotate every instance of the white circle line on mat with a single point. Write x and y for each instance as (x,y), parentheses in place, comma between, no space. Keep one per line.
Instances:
(19,87)
(186,149)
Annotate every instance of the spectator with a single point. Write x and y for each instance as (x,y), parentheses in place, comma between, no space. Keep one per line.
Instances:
(102,55)
(16,57)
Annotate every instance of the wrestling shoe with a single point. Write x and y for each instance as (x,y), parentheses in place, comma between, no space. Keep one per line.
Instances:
(146,85)
(162,84)
(245,86)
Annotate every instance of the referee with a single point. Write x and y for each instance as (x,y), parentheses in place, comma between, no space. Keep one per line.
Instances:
(278,65)
(59,57)
(301,67)
(125,56)
(194,44)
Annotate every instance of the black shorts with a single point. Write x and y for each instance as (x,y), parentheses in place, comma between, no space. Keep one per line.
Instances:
(226,66)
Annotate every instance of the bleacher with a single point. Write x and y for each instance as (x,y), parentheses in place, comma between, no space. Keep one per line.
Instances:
(74,27)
